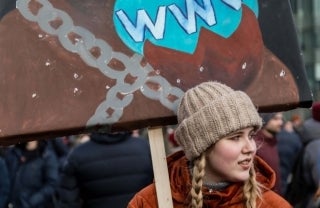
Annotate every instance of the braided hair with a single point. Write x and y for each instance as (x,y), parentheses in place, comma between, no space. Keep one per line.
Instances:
(251,187)
(198,172)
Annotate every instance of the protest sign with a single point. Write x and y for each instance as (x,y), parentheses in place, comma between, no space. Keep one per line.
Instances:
(81,66)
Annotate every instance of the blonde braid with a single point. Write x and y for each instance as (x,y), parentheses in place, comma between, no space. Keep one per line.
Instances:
(252,190)
(197,175)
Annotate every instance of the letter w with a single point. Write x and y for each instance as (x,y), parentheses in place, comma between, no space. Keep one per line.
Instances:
(189,23)
(143,21)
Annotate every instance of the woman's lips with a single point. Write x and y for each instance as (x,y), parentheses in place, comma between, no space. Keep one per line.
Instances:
(245,164)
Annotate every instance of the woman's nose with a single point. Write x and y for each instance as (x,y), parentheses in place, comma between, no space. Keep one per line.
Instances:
(249,145)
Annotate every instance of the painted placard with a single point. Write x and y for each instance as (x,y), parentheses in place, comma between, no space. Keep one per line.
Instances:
(71,66)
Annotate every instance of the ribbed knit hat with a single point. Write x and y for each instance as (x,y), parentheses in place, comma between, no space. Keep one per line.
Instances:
(209,112)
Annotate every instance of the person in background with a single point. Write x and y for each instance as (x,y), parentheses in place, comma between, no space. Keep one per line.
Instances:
(296,121)
(268,143)
(310,135)
(4,180)
(82,138)
(218,166)
(136,133)
(33,171)
(60,148)
(173,145)
(105,171)
(289,145)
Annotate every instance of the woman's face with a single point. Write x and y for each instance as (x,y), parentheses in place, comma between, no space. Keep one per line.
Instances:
(230,159)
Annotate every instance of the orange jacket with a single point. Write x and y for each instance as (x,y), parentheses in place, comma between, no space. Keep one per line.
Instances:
(231,197)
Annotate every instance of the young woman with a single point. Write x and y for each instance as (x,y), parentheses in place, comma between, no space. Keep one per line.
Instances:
(218,166)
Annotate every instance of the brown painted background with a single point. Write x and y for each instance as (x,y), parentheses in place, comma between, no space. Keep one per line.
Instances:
(47,91)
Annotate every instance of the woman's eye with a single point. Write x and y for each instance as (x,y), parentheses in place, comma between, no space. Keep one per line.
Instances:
(235,137)
(251,136)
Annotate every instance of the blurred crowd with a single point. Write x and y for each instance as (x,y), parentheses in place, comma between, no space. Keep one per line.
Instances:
(83,170)
(87,170)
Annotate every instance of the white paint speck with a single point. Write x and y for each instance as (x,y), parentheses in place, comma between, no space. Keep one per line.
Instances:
(282,73)
(77,91)
(48,63)
(244,65)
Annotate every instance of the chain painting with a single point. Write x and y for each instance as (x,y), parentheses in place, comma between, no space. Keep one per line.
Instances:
(71,66)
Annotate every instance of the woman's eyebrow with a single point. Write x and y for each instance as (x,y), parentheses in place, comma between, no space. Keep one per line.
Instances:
(240,132)
(235,133)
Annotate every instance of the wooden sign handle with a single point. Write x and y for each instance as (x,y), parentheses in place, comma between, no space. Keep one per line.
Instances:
(160,167)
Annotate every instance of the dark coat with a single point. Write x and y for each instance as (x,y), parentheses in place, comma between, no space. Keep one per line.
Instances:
(310,135)
(289,145)
(4,183)
(34,177)
(310,132)
(106,172)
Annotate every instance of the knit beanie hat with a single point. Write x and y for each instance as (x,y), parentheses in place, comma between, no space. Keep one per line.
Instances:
(209,112)
(316,111)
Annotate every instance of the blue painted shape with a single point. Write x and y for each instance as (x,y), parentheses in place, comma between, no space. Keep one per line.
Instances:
(176,24)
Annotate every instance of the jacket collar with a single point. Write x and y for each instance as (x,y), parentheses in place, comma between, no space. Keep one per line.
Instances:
(180,178)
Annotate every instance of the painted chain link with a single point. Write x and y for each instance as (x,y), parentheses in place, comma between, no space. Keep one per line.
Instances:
(47,13)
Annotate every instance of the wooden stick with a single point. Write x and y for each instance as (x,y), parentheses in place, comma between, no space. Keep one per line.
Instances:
(160,167)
